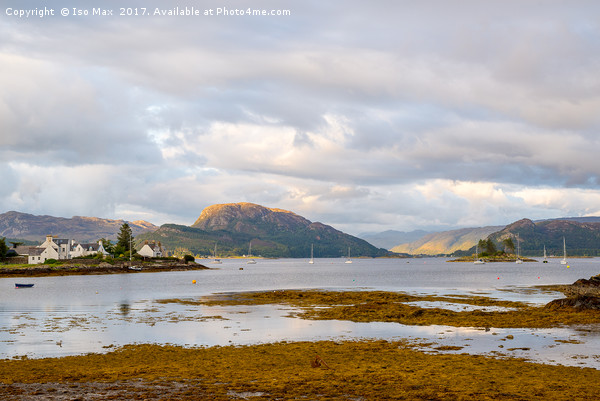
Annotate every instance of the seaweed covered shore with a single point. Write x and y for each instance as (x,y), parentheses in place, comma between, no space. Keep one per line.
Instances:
(326,370)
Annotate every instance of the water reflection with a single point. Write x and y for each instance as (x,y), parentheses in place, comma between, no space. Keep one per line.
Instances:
(77,315)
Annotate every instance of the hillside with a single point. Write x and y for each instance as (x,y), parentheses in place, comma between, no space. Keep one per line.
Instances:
(273,233)
(391,238)
(35,228)
(447,242)
(582,238)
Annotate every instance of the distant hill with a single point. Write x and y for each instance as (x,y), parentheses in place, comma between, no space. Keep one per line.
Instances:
(35,228)
(582,237)
(447,242)
(391,238)
(273,233)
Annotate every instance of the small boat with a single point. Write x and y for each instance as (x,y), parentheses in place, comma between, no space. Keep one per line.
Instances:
(312,260)
(564,259)
(216,261)
(518,261)
(479,261)
(348,260)
(545,257)
(19,285)
(251,261)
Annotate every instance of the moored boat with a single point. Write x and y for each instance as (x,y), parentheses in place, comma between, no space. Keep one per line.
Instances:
(20,285)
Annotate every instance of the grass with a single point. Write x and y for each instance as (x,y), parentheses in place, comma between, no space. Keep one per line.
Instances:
(365,370)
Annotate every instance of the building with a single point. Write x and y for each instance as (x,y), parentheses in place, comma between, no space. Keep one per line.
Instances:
(62,246)
(88,249)
(152,250)
(39,255)
(60,249)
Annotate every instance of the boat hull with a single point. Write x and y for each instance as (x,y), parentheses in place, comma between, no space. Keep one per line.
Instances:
(19,285)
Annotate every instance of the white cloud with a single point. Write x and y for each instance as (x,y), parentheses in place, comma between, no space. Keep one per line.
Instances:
(389,115)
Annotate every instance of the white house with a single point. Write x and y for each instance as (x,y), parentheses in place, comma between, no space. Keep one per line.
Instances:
(88,249)
(39,255)
(62,246)
(59,248)
(152,250)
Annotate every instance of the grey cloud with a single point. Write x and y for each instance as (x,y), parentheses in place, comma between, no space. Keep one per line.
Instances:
(502,92)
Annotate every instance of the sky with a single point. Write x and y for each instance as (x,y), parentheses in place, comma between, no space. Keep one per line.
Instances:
(367,116)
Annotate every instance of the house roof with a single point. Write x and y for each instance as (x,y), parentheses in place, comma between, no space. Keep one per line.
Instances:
(35,251)
(92,246)
(22,249)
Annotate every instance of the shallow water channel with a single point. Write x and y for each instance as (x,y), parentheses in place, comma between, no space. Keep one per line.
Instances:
(80,314)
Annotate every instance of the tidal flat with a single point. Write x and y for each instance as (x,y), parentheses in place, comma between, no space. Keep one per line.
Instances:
(229,333)
(397,307)
(319,370)
(324,370)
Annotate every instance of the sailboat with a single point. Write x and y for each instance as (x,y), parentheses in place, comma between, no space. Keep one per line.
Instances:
(312,260)
(348,260)
(518,261)
(251,261)
(564,259)
(478,261)
(216,261)
(545,257)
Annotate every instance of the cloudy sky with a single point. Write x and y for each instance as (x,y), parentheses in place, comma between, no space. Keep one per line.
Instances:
(367,116)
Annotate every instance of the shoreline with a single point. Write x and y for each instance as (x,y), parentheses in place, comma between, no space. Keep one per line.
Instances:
(76,268)
(316,370)
(321,370)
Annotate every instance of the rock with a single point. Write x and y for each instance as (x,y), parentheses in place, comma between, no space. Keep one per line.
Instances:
(579,302)
(583,286)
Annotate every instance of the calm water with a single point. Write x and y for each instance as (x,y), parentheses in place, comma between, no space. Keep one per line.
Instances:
(81,314)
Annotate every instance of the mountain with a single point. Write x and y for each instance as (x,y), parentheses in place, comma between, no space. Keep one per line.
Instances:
(582,237)
(390,238)
(273,233)
(447,242)
(35,228)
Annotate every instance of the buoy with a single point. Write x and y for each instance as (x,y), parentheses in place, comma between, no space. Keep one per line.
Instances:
(193,281)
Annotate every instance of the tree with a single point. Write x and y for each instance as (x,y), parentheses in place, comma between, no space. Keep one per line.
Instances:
(486,247)
(490,247)
(3,248)
(481,245)
(509,244)
(107,244)
(124,239)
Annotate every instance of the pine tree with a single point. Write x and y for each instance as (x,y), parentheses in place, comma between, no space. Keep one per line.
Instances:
(124,239)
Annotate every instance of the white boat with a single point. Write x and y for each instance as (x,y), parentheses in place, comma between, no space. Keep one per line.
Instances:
(545,257)
(348,260)
(518,261)
(478,261)
(312,260)
(216,260)
(251,261)
(564,259)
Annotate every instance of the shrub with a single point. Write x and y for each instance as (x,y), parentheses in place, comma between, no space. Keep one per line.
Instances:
(188,258)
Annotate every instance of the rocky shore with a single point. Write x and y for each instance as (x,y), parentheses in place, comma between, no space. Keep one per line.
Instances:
(583,294)
(85,267)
